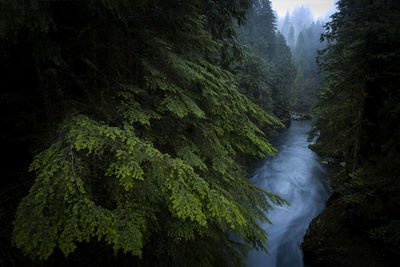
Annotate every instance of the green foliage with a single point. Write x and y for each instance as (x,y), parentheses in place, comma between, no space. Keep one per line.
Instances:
(358,94)
(266,73)
(303,35)
(145,131)
(308,78)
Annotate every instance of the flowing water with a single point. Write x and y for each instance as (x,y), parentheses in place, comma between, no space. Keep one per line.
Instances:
(296,175)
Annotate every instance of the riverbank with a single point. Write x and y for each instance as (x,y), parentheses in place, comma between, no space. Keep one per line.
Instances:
(330,242)
(337,237)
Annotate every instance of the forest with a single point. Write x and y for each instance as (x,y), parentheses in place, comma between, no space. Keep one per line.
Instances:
(129,129)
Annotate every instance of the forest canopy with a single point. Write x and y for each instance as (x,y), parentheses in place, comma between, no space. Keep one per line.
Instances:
(357,120)
(131,118)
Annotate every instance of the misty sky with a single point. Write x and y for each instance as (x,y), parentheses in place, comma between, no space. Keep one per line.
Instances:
(318,7)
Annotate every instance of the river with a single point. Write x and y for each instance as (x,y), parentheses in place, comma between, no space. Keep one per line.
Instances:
(296,175)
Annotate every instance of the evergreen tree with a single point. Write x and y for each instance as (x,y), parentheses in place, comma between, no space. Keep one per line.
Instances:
(139,132)
(303,35)
(358,117)
(267,72)
(291,37)
(284,29)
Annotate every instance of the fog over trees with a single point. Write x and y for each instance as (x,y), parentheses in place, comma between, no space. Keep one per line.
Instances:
(129,128)
(302,32)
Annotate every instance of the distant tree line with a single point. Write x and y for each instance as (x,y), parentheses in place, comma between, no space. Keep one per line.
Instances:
(303,34)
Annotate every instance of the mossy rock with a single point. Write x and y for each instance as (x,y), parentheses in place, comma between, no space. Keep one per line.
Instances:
(331,242)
